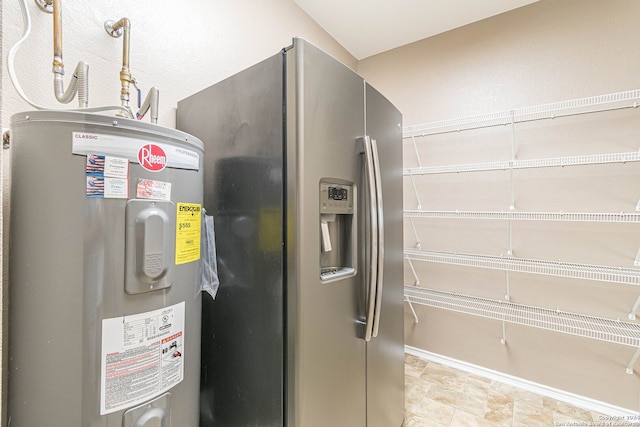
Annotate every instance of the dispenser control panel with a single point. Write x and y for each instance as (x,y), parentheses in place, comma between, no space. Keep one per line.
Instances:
(338,193)
(336,198)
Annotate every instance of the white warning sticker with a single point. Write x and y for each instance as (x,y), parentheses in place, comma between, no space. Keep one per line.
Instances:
(142,357)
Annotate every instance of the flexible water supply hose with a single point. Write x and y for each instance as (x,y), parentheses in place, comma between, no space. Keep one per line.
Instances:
(26,18)
(58,65)
(82,71)
(150,103)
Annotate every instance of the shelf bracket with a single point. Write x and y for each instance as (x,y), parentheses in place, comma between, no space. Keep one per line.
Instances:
(415,148)
(415,233)
(636,261)
(413,270)
(634,310)
(633,361)
(512,203)
(415,189)
(503,340)
(413,311)
(507,291)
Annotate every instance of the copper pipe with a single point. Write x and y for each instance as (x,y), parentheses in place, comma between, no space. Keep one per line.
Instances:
(81,72)
(125,73)
(58,66)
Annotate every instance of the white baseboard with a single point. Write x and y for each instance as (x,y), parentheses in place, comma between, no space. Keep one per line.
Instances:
(543,390)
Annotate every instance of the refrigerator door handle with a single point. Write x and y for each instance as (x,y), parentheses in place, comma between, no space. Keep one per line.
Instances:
(371,196)
(380,239)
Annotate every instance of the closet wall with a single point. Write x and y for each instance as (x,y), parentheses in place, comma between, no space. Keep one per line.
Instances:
(547,52)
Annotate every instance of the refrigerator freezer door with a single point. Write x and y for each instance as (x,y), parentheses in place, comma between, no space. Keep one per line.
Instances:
(385,353)
(326,354)
(240,122)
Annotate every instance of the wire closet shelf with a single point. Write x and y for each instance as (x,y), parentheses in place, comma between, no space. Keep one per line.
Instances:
(590,159)
(614,331)
(598,328)
(601,273)
(593,104)
(620,217)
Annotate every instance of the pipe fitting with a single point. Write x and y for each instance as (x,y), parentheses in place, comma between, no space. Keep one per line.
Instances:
(45,5)
(80,75)
(123,25)
(6,139)
(58,65)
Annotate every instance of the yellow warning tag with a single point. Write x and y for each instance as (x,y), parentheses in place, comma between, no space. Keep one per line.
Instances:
(188,220)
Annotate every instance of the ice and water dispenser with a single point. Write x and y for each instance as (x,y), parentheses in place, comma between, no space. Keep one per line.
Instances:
(337,229)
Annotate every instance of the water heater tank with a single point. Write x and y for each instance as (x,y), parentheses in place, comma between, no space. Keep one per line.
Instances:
(104,311)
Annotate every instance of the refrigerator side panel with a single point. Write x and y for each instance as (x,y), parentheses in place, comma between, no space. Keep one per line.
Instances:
(385,353)
(240,121)
(325,113)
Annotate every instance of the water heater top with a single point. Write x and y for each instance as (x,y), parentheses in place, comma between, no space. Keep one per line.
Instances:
(99,120)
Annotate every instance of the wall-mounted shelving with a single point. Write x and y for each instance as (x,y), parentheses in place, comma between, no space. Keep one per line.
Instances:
(614,331)
(593,104)
(601,273)
(592,159)
(611,217)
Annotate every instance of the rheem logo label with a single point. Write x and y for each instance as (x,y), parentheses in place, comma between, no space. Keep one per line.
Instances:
(152,157)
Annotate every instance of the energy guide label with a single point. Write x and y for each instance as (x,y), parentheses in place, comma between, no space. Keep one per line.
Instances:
(188,221)
(142,356)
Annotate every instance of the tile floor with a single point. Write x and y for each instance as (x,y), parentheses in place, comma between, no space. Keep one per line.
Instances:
(437,395)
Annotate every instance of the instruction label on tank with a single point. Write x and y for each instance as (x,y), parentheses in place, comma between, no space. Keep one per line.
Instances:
(151,189)
(142,357)
(188,220)
(107,177)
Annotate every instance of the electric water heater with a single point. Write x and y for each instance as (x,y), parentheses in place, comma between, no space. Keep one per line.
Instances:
(104,312)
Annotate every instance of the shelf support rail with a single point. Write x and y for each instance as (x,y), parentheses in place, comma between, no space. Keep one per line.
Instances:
(633,361)
(415,233)
(415,148)
(413,270)
(634,310)
(513,160)
(507,292)
(415,190)
(503,340)
(413,311)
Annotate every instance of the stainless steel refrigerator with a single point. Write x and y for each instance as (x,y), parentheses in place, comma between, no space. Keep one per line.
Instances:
(303,177)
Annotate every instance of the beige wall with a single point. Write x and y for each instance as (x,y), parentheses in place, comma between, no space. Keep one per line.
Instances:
(550,51)
(180,47)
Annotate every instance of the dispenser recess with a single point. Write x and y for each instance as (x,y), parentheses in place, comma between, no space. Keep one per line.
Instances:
(337,230)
